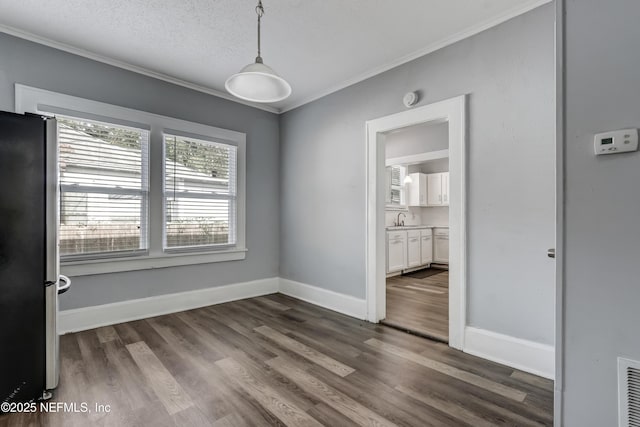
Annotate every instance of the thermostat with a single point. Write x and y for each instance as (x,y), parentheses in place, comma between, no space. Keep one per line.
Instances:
(617,141)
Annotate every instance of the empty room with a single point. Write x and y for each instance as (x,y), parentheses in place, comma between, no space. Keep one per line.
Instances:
(319,213)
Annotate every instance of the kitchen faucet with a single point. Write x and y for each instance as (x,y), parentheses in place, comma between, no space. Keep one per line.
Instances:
(398,220)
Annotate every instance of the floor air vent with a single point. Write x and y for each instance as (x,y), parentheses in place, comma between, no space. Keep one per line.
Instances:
(629,392)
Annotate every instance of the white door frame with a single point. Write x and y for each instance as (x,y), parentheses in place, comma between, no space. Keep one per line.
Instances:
(454,112)
(558,405)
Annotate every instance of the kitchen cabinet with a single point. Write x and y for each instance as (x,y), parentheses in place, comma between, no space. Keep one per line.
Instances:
(414,256)
(418,189)
(426,246)
(396,251)
(445,188)
(441,245)
(434,189)
(438,189)
(409,249)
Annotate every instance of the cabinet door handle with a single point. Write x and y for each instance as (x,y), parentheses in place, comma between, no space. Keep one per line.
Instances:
(414,240)
(395,242)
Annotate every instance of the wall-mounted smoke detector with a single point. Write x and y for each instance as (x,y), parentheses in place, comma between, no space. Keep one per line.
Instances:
(410,99)
(628,393)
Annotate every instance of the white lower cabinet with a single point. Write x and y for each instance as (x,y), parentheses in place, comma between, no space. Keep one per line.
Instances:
(441,245)
(413,249)
(410,249)
(396,251)
(426,246)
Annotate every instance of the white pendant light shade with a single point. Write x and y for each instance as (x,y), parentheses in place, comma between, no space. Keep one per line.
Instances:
(408,179)
(258,82)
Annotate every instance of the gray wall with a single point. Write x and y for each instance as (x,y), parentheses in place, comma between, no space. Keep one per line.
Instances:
(602,232)
(417,140)
(509,73)
(47,68)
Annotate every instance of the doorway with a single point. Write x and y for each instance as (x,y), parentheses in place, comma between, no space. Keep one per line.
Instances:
(453,113)
(417,230)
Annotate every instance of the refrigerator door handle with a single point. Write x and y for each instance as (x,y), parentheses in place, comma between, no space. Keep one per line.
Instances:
(66,284)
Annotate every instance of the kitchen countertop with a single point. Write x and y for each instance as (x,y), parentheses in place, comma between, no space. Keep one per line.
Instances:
(413,227)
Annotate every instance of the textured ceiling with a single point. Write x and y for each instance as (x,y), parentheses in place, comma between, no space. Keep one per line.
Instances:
(317,45)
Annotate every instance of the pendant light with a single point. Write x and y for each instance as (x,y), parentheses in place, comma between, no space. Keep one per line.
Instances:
(258,82)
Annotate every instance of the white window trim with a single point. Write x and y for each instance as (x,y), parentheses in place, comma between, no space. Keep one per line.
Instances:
(32,100)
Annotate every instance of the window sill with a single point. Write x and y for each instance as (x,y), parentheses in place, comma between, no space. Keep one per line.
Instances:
(148,262)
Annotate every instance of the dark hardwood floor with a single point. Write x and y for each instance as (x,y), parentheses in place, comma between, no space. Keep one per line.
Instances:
(278,361)
(419,304)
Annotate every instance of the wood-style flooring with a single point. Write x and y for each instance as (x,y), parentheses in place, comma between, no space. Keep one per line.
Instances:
(275,360)
(419,305)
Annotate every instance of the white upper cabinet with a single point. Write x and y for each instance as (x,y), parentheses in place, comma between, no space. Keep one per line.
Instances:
(417,189)
(434,189)
(438,189)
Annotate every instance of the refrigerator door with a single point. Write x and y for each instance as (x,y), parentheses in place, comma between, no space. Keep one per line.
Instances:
(22,257)
(52,270)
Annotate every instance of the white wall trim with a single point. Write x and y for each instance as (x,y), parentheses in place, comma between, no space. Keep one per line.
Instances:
(129,67)
(453,111)
(81,319)
(528,356)
(558,407)
(345,304)
(469,32)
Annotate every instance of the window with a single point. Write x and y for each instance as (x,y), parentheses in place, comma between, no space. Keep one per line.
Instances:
(140,190)
(103,188)
(200,193)
(396,189)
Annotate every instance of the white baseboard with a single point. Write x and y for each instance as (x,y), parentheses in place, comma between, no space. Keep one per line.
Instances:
(528,356)
(345,304)
(109,314)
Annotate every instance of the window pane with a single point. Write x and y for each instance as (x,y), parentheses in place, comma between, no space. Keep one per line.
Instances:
(200,192)
(98,222)
(103,176)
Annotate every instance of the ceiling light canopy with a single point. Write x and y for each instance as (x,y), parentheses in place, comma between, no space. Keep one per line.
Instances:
(258,82)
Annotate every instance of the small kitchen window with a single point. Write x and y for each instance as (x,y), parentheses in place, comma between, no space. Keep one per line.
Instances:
(396,194)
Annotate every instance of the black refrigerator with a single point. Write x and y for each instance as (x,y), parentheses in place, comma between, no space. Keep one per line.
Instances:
(29,263)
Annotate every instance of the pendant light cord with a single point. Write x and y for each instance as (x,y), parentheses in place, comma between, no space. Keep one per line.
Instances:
(260,13)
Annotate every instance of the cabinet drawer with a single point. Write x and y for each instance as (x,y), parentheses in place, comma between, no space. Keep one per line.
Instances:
(393,235)
(441,231)
(412,234)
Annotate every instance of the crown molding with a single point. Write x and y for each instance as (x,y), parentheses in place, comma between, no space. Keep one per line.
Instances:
(129,67)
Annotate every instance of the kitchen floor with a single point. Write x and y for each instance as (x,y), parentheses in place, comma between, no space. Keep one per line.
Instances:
(276,360)
(419,302)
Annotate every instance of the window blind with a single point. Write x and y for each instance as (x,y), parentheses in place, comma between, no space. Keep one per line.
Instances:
(200,193)
(104,187)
